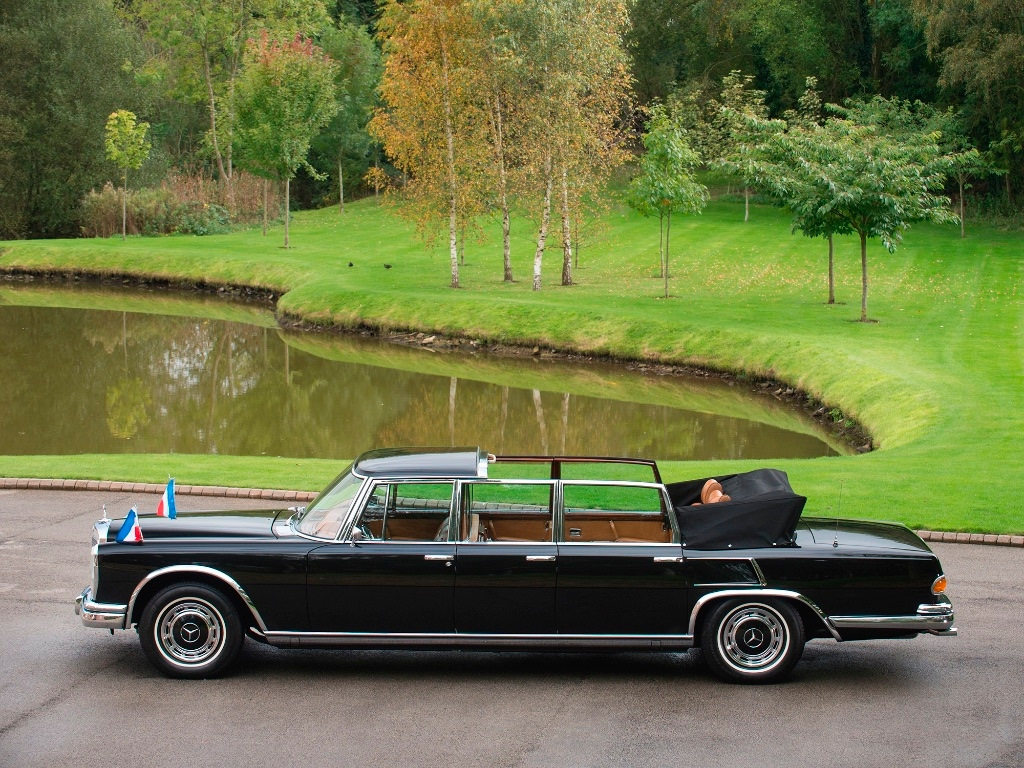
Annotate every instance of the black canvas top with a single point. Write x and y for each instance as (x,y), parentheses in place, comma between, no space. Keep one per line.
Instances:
(763,511)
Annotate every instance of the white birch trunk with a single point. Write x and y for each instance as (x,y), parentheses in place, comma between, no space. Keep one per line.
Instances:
(287,208)
(566,231)
(124,206)
(449,135)
(341,188)
(266,184)
(542,237)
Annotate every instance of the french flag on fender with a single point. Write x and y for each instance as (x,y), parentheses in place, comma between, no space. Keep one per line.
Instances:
(166,506)
(130,531)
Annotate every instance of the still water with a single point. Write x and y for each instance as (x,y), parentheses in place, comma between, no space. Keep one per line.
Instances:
(93,371)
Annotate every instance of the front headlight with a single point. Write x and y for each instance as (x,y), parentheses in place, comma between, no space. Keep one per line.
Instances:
(99,536)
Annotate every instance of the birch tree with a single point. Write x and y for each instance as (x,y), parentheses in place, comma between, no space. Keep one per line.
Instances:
(431,124)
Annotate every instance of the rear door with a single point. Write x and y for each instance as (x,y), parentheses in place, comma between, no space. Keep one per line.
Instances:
(620,563)
(506,559)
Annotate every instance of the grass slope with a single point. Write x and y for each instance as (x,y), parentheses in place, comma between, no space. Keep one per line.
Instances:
(937,381)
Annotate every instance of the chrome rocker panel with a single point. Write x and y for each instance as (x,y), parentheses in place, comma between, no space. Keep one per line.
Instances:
(467,640)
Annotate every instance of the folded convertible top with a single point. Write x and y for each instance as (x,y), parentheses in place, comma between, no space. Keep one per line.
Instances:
(763,512)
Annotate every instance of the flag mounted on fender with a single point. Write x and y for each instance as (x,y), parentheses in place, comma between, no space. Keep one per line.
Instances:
(166,506)
(130,531)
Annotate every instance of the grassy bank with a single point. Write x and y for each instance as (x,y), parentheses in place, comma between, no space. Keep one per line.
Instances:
(937,381)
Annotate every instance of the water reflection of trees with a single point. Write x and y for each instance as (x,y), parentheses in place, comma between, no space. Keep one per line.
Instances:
(85,381)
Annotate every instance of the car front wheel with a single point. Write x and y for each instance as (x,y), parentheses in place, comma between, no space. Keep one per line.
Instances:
(190,630)
(752,641)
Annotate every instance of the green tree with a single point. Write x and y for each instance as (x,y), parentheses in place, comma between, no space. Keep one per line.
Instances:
(204,51)
(979,45)
(127,147)
(344,145)
(286,94)
(847,177)
(732,130)
(666,183)
(67,64)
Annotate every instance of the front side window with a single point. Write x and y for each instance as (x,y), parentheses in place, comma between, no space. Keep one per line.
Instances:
(614,513)
(403,511)
(323,518)
(506,512)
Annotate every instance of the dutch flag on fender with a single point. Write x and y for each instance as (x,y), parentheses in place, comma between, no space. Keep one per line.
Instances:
(130,531)
(166,506)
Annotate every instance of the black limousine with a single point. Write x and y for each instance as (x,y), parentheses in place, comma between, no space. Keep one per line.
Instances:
(459,549)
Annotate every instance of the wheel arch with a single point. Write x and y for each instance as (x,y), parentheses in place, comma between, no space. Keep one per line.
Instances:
(175,574)
(811,615)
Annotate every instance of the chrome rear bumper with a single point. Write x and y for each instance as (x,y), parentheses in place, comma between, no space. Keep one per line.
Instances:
(934,618)
(101,615)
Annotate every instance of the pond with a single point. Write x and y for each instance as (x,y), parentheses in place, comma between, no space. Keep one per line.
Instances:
(131,371)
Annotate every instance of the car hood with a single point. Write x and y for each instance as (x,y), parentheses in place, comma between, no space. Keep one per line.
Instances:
(863,533)
(232,524)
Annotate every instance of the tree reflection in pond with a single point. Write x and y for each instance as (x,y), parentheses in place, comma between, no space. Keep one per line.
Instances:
(90,381)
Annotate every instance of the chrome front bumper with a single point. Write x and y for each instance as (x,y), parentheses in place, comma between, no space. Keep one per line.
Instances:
(934,618)
(102,615)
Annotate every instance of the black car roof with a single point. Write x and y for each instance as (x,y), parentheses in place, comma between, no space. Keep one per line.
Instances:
(422,462)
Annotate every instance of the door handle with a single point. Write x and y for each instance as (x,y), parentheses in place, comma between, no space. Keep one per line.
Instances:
(540,558)
(440,558)
(668,559)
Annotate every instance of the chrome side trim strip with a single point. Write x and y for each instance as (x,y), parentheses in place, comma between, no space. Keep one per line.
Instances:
(783,593)
(465,640)
(99,615)
(934,618)
(184,569)
(759,572)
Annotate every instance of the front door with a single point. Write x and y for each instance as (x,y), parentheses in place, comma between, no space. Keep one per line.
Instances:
(397,572)
(506,559)
(620,567)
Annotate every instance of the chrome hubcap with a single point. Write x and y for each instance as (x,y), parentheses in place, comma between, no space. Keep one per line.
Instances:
(753,638)
(190,632)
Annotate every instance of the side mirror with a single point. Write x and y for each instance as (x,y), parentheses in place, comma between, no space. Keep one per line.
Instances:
(356,536)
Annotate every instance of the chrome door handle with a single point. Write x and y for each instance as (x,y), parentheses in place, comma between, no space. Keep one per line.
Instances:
(540,558)
(668,559)
(440,558)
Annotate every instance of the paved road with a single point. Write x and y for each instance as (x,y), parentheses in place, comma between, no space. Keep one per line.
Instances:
(79,697)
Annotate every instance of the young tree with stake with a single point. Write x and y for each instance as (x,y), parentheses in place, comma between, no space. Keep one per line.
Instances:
(128,147)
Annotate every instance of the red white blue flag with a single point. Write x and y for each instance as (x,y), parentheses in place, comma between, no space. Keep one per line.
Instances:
(130,531)
(166,506)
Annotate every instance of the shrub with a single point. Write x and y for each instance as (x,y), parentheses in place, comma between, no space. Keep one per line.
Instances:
(204,219)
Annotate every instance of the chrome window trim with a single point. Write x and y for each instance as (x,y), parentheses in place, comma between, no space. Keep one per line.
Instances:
(286,639)
(783,593)
(366,491)
(552,507)
(674,544)
(759,572)
(206,571)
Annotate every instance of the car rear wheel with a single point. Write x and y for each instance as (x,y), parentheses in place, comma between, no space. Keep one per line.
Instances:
(752,641)
(190,630)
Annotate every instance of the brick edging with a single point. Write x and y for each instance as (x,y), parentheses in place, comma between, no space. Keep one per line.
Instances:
(36,484)
(945,537)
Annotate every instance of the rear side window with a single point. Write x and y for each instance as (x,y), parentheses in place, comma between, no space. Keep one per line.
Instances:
(614,513)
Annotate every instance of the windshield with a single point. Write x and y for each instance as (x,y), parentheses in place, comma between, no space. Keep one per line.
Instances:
(323,518)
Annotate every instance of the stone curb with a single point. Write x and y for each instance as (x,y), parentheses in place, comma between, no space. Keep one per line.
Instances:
(944,537)
(180,490)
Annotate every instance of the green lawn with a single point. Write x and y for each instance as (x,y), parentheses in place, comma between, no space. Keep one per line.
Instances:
(938,381)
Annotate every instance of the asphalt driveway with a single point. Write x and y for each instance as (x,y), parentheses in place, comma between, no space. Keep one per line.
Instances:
(80,697)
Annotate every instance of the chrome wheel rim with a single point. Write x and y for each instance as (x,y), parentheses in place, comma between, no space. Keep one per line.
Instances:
(753,638)
(190,632)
